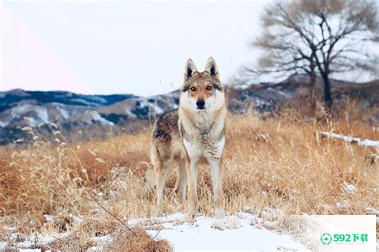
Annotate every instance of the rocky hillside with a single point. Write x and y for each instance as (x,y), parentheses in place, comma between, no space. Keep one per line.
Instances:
(74,113)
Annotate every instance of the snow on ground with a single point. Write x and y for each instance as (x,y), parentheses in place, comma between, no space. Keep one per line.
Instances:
(359,141)
(350,187)
(238,232)
(242,231)
(242,86)
(30,242)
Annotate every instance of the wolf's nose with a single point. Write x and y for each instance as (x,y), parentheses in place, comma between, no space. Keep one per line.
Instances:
(200,104)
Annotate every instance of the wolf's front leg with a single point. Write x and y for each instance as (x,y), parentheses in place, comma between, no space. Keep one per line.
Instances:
(217,172)
(192,186)
(182,180)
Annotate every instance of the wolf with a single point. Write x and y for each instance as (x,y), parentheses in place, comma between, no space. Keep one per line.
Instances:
(194,132)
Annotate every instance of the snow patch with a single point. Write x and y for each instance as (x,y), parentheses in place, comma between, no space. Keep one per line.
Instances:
(349,187)
(371,210)
(40,114)
(242,86)
(63,112)
(95,116)
(236,232)
(158,110)
(359,141)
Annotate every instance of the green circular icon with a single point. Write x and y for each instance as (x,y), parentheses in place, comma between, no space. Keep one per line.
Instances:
(326,238)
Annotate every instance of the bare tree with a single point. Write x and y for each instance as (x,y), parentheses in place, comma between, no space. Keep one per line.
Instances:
(321,37)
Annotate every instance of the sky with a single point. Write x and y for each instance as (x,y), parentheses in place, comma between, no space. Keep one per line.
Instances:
(92,47)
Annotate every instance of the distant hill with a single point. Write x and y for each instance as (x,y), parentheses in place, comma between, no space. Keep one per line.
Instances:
(74,112)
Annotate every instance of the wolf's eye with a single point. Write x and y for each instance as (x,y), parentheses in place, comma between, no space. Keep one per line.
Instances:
(193,89)
(209,88)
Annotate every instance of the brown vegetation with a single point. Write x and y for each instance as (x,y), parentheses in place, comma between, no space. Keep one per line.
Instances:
(281,162)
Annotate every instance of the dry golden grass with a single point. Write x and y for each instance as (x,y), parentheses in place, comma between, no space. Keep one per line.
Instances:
(278,162)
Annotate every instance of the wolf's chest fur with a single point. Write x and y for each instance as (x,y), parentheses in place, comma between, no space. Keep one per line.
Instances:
(203,136)
(204,146)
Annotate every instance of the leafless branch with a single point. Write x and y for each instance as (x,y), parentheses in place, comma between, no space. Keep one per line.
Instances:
(115,217)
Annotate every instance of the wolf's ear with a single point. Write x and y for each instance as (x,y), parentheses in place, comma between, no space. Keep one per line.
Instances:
(211,68)
(189,69)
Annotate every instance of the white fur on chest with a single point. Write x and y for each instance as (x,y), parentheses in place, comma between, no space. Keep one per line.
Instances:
(200,146)
(203,121)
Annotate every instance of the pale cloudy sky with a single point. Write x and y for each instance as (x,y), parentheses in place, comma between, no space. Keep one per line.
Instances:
(121,46)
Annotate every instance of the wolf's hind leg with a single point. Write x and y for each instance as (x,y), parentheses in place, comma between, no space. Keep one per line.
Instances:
(161,174)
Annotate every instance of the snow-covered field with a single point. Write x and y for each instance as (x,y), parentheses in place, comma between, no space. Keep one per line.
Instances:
(237,232)
(243,231)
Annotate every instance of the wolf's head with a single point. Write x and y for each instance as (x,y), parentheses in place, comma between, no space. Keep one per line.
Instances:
(202,91)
